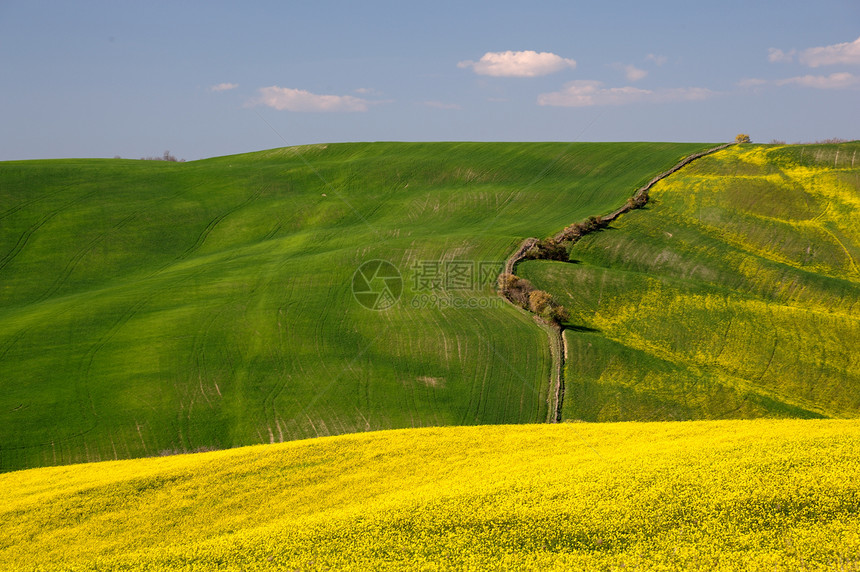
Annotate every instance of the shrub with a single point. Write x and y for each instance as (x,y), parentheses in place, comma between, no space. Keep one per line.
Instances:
(507,281)
(593,223)
(522,293)
(637,201)
(539,301)
(557,313)
(548,249)
(515,289)
(572,232)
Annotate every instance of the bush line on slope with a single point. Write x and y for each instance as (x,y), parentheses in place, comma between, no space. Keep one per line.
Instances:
(548,312)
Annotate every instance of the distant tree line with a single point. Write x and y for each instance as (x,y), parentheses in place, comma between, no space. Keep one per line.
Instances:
(830,140)
(165,157)
(834,140)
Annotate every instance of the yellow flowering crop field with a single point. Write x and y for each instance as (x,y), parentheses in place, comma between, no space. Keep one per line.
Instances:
(734,294)
(703,495)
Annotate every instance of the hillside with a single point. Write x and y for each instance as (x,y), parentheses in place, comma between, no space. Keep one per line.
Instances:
(152,308)
(735,294)
(727,495)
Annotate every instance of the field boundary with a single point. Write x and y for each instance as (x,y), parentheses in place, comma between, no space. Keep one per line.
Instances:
(642,192)
(558,349)
(557,342)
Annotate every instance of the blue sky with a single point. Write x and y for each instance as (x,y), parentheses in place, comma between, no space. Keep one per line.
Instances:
(99,79)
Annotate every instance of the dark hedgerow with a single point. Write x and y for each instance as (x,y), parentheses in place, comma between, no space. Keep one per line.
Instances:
(521,292)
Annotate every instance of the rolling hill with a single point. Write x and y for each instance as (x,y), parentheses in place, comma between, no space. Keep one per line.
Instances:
(151,308)
(706,495)
(735,294)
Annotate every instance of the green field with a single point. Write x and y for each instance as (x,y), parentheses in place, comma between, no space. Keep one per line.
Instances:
(706,495)
(735,294)
(151,308)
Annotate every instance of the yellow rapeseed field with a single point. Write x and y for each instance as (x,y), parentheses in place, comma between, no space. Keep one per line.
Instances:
(710,495)
(734,294)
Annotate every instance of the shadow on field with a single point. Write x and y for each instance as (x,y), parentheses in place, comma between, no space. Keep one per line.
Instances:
(580,328)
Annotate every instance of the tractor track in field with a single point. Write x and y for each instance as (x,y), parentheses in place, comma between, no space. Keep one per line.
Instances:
(7,345)
(29,202)
(86,403)
(76,259)
(27,234)
(204,234)
(60,281)
(557,342)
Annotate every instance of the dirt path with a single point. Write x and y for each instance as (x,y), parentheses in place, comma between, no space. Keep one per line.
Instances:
(555,399)
(518,255)
(557,343)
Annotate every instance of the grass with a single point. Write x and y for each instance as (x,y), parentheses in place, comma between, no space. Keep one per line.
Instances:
(708,495)
(733,295)
(151,308)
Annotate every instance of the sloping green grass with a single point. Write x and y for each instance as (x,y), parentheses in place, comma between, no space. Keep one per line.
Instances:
(150,308)
(735,294)
(728,495)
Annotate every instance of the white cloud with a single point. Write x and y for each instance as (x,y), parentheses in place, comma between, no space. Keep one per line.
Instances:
(632,73)
(844,53)
(282,98)
(518,64)
(776,55)
(833,81)
(659,60)
(841,80)
(586,93)
(441,105)
(224,86)
(367,91)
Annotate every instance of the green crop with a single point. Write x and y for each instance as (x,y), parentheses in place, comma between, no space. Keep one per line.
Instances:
(151,308)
